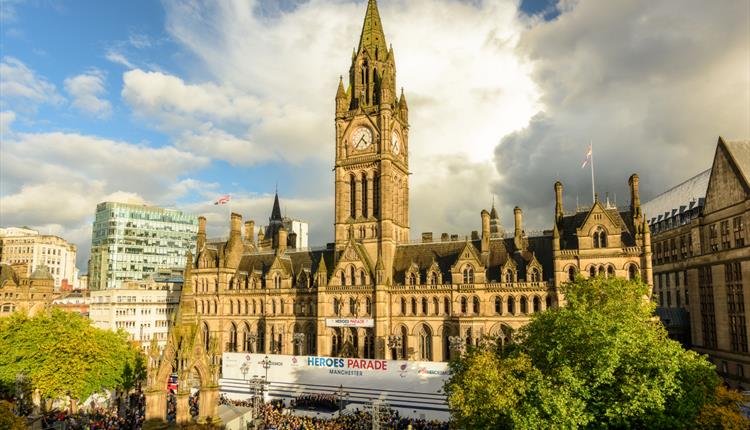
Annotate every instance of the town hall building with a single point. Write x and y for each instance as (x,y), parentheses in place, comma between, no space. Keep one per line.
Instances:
(375,293)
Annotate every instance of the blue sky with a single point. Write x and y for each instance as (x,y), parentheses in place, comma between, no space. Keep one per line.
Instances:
(177,102)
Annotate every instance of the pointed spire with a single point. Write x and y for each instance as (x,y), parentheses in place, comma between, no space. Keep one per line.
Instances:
(372,37)
(322,266)
(276,212)
(493,212)
(340,93)
(402,100)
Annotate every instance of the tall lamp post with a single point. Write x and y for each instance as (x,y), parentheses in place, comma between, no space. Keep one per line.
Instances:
(266,363)
(396,342)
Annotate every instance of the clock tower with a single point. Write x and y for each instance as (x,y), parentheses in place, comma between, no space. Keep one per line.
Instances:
(372,142)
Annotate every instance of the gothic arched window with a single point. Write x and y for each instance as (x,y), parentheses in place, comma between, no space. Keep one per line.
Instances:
(362,278)
(403,306)
(475,305)
(498,305)
(424,306)
(447,306)
(436,305)
(352,278)
(464,305)
(413,306)
(352,306)
(277,281)
(468,275)
(508,276)
(352,196)
(537,304)
(524,305)
(632,271)
(364,195)
(571,273)
(511,305)
(412,279)
(610,271)
(376,195)
(337,307)
(425,343)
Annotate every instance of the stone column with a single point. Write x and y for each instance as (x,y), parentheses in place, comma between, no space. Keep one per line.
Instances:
(208,406)
(156,408)
(358,196)
(182,415)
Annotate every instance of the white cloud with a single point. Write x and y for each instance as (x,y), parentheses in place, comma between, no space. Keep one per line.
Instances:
(119,58)
(87,90)
(72,173)
(263,87)
(21,87)
(645,82)
(6,119)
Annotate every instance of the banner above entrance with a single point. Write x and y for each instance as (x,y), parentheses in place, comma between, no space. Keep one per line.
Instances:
(350,322)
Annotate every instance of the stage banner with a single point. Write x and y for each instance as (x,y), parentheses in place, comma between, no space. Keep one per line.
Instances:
(350,322)
(425,377)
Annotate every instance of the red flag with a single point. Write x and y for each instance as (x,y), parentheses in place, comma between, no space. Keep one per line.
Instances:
(222,200)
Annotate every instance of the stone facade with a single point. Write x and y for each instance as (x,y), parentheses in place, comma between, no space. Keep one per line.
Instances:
(418,301)
(20,292)
(702,259)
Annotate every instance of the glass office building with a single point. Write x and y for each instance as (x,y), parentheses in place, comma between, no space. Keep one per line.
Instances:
(135,242)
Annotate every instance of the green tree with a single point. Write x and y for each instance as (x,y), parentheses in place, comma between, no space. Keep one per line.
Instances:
(723,412)
(8,420)
(62,353)
(607,354)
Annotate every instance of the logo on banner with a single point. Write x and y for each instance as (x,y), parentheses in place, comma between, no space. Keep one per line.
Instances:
(403,370)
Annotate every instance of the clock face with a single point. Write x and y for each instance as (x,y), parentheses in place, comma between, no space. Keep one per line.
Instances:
(362,138)
(395,143)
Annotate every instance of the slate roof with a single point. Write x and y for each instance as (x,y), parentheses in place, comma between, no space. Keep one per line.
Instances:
(7,273)
(445,254)
(740,152)
(685,196)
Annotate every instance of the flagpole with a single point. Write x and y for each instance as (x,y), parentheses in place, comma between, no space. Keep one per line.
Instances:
(593,189)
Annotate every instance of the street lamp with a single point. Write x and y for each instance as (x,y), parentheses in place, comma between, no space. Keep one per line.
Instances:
(266,363)
(299,340)
(396,342)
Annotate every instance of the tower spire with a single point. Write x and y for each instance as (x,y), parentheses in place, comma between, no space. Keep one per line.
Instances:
(372,37)
(276,212)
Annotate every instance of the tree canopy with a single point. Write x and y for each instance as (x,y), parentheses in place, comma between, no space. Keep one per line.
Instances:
(601,361)
(62,354)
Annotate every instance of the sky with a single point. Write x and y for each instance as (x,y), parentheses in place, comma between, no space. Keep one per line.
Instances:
(178,102)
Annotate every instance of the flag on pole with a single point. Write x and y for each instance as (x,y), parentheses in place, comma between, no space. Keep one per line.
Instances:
(587,159)
(223,200)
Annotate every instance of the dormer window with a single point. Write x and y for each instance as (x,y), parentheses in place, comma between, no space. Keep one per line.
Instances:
(277,281)
(412,279)
(508,276)
(468,275)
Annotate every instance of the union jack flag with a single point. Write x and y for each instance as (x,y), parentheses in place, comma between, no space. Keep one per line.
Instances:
(223,200)
(587,159)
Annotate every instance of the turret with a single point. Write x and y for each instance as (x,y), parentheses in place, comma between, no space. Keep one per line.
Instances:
(201,237)
(555,238)
(402,108)
(485,248)
(342,104)
(322,272)
(518,234)
(261,238)
(635,199)
(558,202)
(234,247)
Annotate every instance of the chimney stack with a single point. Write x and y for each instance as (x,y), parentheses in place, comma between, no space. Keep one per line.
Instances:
(635,197)
(281,240)
(427,237)
(518,214)
(235,225)
(250,231)
(201,239)
(485,247)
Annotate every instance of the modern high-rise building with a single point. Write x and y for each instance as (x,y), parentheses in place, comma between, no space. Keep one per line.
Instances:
(26,246)
(132,242)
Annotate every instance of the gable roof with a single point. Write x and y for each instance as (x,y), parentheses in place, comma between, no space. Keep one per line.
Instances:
(739,151)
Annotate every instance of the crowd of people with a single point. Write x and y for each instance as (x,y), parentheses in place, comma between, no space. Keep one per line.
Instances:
(98,418)
(275,417)
(325,401)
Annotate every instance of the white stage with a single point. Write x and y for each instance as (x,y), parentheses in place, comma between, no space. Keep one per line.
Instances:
(414,388)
